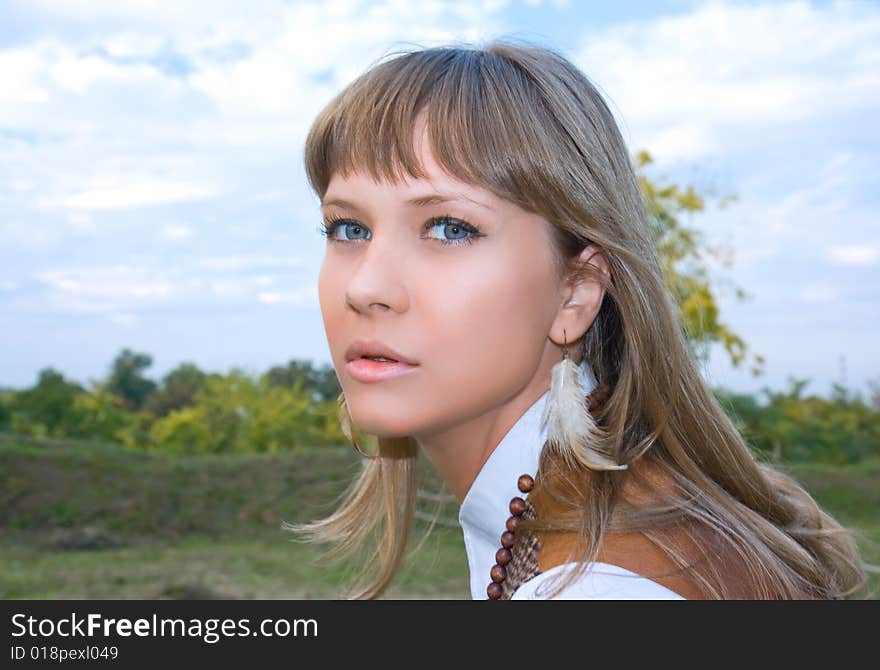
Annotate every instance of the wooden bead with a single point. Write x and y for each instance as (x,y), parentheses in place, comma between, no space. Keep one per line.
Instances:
(503,556)
(517,506)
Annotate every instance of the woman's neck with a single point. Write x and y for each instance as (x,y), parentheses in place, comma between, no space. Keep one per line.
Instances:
(460,451)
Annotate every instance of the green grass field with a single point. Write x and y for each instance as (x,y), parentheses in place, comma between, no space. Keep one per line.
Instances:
(89,520)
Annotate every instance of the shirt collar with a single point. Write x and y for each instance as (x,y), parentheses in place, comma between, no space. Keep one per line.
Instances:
(483,513)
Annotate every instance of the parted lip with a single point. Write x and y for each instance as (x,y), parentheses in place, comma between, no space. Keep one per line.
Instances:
(360,348)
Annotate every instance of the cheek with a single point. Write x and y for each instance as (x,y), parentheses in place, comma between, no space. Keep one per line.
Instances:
(491,314)
(331,297)
(485,331)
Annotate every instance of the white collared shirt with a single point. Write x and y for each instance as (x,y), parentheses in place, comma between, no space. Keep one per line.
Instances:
(484,512)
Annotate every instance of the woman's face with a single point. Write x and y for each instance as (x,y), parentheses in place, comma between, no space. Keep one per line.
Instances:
(465,288)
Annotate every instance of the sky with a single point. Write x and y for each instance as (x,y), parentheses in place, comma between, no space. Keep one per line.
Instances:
(152,194)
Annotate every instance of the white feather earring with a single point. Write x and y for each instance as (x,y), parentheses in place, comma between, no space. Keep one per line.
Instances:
(571,429)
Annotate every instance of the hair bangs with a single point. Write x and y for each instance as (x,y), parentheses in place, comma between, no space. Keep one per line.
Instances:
(475,108)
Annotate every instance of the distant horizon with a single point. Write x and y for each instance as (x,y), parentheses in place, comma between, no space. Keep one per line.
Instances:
(151,373)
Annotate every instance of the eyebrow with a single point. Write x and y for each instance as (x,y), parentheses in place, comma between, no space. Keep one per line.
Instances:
(418,201)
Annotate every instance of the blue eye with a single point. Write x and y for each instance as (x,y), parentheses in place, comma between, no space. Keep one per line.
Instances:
(456,228)
(461,231)
(332,225)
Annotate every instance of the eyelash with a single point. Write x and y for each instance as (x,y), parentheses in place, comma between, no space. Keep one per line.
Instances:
(332,223)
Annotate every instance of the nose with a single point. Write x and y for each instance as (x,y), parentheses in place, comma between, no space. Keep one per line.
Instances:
(378,283)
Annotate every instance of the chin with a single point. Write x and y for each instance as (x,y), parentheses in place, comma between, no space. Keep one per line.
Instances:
(384,426)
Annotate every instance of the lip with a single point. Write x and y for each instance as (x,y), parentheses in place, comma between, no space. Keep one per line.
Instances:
(360,348)
(367,371)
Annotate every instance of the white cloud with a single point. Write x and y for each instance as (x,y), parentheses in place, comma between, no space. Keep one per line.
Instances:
(21,184)
(173,231)
(725,66)
(290,73)
(857,255)
(683,141)
(124,319)
(75,74)
(241,263)
(288,58)
(26,234)
(82,222)
(20,78)
(819,294)
(134,44)
(128,288)
(304,297)
(229,288)
(108,284)
(559,4)
(769,222)
(133,191)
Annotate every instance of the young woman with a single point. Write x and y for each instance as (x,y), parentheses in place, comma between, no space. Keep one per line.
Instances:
(492,298)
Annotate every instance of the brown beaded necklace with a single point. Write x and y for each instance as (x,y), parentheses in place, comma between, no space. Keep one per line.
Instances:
(504,555)
(520,508)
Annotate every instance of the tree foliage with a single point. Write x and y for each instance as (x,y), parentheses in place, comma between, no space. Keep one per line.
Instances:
(177,390)
(127,380)
(321,382)
(685,257)
(47,408)
(236,413)
(792,426)
(282,409)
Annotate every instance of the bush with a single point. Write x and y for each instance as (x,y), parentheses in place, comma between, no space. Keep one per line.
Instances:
(235,413)
(792,427)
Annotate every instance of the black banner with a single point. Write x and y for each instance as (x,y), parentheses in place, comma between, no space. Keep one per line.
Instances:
(143,633)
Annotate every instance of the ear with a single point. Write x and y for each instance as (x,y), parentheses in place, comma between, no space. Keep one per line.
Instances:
(580,302)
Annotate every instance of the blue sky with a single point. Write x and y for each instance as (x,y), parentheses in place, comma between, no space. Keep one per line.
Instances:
(152,194)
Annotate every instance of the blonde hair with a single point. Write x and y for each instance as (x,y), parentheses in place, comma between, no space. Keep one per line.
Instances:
(523,122)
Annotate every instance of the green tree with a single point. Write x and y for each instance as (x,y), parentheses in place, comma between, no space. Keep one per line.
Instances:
(684,255)
(184,430)
(100,414)
(792,426)
(47,407)
(236,413)
(322,382)
(127,381)
(5,410)
(178,390)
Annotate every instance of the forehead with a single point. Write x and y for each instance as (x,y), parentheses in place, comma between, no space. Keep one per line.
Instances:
(359,186)
(437,185)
